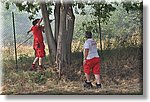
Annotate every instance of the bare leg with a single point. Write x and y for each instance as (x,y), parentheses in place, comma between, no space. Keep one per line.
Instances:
(97,77)
(40,61)
(87,77)
(35,60)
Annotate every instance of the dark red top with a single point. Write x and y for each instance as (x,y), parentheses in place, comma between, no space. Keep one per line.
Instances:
(37,34)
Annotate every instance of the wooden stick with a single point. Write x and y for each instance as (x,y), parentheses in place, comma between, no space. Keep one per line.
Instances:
(25,41)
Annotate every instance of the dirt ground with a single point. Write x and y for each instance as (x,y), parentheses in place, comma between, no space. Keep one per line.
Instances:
(121,73)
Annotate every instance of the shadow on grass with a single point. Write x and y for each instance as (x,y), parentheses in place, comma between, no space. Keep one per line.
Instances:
(119,68)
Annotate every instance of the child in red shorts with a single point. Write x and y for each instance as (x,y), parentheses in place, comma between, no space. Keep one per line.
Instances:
(38,44)
(91,61)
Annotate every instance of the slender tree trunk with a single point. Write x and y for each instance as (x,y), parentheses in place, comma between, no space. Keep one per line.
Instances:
(141,22)
(48,32)
(57,20)
(100,34)
(70,29)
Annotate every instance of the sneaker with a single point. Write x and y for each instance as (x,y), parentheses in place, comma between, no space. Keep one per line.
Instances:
(87,85)
(98,85)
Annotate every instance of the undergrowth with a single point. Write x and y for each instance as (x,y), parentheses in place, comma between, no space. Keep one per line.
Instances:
(121,73)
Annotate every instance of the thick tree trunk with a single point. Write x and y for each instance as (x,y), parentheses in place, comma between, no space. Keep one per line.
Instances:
(60,47)
(48,32)
(70,29)
(57,20)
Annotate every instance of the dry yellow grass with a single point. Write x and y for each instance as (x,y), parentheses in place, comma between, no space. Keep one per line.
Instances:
(121,72)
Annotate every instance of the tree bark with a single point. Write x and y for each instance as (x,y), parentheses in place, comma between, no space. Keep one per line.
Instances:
(57,20)
(100,34)
(61,45)
(48,32)
(70,29)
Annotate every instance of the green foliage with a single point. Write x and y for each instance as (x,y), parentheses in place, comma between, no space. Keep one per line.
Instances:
(81,5)
(32,8)
(113,23)
(129,6)
(79,8)
(21,7)
(103,11)
(7,5)
(23,58)
(49,8)
(91,26)
(120,25)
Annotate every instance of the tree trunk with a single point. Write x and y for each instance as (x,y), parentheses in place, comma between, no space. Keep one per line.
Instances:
(141,22)
(100,34)
(57,20)
(48,32)
(61,45)
(70,29)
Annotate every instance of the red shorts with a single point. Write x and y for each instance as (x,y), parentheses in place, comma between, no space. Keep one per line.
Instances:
(39,53)
(39,49)
(93,64)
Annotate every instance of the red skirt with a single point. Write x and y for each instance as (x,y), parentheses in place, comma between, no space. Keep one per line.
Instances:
(39,49)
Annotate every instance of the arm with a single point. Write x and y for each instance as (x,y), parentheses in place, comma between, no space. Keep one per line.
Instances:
(86,52)
(39,22)
(29,31)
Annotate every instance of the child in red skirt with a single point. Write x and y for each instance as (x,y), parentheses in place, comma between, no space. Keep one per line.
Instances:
(91,61)
(38,44)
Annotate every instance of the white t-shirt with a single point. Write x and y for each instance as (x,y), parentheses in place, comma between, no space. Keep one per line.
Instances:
(91,45)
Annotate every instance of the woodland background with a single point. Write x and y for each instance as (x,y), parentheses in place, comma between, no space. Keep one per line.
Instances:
(117,28)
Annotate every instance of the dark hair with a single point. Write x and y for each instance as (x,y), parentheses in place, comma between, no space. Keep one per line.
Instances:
(88,34)
(35,21)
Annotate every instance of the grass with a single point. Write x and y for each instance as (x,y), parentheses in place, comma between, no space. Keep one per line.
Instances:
(121,73)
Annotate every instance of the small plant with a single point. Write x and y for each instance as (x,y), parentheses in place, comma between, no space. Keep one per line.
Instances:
(23,58)
(38,77)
